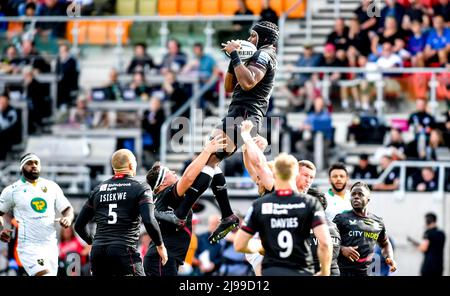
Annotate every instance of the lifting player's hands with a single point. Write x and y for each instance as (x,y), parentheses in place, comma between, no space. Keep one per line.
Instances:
(162,251)
(392,264)
(350,253)
(246,126)
(217,143)
(64,221)
(261,142)
(231,46)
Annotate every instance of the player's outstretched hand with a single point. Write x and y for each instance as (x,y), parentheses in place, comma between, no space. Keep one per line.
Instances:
(392,264)
(350,253)
(246,126)
(218,143)
(231,46)
(261,142)
(5,235)
(162,251)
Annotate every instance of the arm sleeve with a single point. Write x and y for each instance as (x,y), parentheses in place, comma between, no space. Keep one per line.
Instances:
(6,201)
(61,201)
(318,215)
(249,224)
(147,211)
(86,215)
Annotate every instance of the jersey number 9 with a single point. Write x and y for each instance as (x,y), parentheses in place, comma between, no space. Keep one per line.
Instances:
(286,243)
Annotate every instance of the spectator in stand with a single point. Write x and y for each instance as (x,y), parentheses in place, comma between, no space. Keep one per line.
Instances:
(10,126)
(267,13)
(389,60)
(301,88)
(392,9)
(396,141)
(174,92)
(69,243)
(9,63)
(151,125)
(68,72)
(174,60)
(29,4)
(35,93)
(364,170)
(138,86)
(30,56)
(416,44)
(329,59)
(427,181)
(81,116)
(54,29)
(205,67)
(392,180)
(391,33)
(339,38)
(368,23)
(421,121)
(419,149)
(241,28)
(446,133)
(358,40)
(416,12)
(438,42)
(319,120)
(442,8)
(209,256)
(141,62)
(113,89)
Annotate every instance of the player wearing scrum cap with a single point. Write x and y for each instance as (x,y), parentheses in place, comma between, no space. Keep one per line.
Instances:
(34,202)
(251,84)
(178,194)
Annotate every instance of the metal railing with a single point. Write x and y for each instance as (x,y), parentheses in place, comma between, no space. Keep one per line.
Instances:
(281,26)
(191,103)
(379,83)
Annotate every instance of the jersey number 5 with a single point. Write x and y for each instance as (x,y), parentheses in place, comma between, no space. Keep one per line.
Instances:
(112,214)
(286,243)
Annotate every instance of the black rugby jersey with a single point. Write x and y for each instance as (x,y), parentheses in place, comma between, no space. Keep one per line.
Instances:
(116,204)
(364,232)
(336,239)
(283,220)
(176,240)
(257,99)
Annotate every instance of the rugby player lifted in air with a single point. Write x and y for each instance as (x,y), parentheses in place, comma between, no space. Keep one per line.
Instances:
(251,84)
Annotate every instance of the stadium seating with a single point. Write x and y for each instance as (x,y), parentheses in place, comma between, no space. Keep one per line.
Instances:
(146,7)
(228,7)
(188,7)
(168,7)
(126,7)
(298,12)
(209,7)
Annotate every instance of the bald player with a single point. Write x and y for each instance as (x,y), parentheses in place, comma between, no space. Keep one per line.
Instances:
(117,206)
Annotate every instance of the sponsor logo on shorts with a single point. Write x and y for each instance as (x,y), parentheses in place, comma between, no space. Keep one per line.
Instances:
(39,205)
(40,262)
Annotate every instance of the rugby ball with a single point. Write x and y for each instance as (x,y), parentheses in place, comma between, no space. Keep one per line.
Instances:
(246,50)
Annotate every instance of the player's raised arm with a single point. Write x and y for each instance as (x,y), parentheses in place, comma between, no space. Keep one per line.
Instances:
(255,157)
(247,76)
(194,169)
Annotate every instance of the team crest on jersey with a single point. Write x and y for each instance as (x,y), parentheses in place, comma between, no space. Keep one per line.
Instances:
(352,222)
(38,204)
(44,189)
(267,208)
(40,262)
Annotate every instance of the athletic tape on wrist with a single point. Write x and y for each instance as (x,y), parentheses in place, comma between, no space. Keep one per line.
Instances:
(235,59)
